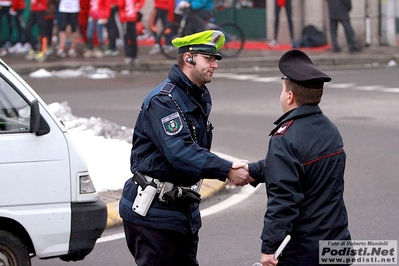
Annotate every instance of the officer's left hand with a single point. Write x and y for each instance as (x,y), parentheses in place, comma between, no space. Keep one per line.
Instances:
(268,260)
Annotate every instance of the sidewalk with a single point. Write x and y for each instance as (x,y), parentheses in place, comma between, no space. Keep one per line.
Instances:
(257,55)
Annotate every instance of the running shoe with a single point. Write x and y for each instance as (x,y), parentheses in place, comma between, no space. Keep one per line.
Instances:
(3,52)
(72,52)
(88,54)
(110,52)
(128,60)
(14,49)
(98,53)
(40,57)
(30,55)
(60,53)
(155,49)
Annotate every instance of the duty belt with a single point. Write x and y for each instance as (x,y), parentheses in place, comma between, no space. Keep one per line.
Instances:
(165,187)
(148,187)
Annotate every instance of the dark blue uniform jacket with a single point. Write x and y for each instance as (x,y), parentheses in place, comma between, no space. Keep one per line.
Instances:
(171,142)
(304,175)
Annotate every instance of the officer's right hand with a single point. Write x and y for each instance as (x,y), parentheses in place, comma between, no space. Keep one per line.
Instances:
(239,177)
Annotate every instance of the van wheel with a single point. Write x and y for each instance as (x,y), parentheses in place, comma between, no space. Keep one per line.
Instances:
(12,251)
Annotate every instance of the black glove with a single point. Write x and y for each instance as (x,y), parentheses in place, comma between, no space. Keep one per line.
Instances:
(182,196)
(191,196)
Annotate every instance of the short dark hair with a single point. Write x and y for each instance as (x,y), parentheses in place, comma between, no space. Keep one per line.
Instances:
(302,94)
(180,60)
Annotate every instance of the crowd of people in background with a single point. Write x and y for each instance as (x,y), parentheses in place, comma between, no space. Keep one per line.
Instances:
(40,28)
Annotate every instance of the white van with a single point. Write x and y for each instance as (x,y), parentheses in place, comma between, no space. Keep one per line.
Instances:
(48,203)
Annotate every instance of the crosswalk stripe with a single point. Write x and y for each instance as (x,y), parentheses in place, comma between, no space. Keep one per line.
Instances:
(394,90)
(351,86)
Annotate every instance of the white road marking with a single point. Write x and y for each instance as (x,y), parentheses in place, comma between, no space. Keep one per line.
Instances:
(368,88)
(267,79)
(341,85)
(244,193)
(351,86)
(234,76)
(110,238)
(393,90)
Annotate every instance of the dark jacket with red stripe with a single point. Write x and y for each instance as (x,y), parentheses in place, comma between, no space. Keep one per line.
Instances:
(304,175)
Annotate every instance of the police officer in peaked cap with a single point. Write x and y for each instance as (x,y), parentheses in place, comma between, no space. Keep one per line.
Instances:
(303,170)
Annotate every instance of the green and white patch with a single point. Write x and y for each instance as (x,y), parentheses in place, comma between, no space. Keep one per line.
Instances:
(172,124)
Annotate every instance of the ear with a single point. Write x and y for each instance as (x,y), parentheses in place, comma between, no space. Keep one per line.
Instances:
(290,98)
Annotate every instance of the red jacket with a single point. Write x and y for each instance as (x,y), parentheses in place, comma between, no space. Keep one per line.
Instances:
(18,5)
(100,9)
(166,5)
(128,9)
(38,5)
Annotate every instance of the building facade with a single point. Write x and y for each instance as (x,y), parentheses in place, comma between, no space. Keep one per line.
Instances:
(375,22)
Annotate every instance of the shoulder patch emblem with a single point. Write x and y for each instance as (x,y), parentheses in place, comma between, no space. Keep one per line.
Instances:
(172,124)
(283,128)
(167,88)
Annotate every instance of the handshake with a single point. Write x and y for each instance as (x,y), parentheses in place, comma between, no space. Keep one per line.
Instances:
(239,174)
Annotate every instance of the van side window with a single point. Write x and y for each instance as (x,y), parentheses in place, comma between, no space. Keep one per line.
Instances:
(14,110)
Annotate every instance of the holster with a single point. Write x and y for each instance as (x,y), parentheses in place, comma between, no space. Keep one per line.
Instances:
(144,199)
(146,190)
(182,196)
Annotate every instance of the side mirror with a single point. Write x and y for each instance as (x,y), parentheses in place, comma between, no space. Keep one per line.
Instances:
(34,116)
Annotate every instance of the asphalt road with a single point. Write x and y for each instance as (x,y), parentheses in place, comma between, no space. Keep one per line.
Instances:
(362,103)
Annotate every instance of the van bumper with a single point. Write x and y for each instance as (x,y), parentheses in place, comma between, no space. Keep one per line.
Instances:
(88,223)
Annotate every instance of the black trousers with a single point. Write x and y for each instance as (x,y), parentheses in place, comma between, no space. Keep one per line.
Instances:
(112,28)
(158,14)
(35,18)
(288,11)
(130,38)
(155,247)
(349,33)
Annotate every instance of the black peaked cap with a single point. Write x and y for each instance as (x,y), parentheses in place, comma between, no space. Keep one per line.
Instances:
(298,67)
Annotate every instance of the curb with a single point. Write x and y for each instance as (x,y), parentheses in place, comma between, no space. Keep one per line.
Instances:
(209,188)
(252,63)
